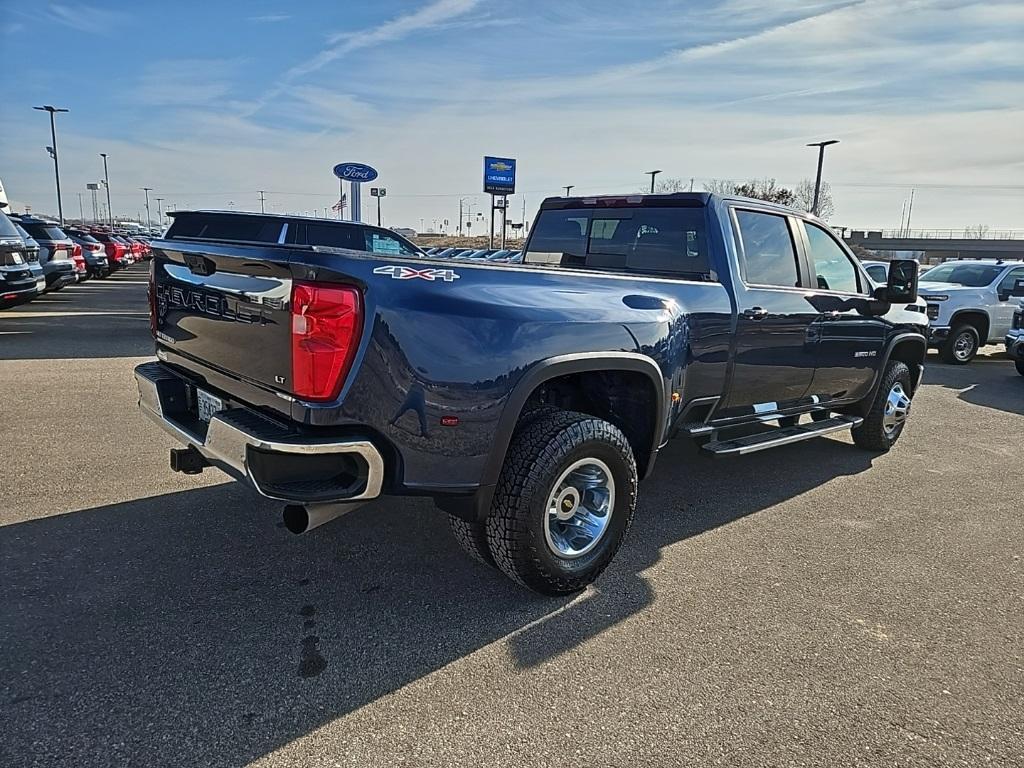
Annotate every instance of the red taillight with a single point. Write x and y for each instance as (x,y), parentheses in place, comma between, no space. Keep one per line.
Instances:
(326,321)
(76,252)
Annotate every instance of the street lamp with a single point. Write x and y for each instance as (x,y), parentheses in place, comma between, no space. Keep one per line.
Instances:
(817,181)
(53,152)
(568,189)
(106,183)
(652,174)
(149,219)
(159,210)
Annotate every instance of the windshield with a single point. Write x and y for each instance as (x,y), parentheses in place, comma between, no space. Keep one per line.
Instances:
(970,275)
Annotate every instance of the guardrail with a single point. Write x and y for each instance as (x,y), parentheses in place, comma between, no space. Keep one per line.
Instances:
(967,233)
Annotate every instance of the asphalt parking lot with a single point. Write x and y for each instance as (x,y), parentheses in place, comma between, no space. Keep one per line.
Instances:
(815,605)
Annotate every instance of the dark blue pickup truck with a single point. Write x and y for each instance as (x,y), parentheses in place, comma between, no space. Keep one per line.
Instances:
(329,363)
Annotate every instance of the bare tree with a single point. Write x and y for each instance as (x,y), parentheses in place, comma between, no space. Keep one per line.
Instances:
(978,231)
(720,186)
(766,189)
(804,194)
(667,185)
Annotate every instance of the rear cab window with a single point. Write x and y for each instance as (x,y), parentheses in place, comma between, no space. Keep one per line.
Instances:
(670,241)
(767,253)
(242,229)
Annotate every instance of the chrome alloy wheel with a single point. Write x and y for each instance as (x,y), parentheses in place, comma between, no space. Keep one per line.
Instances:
(897,408)
(963,346)
(579,508)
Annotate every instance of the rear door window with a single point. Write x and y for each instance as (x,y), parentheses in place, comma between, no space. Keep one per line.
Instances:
(767,253)
(378,241)
(669,240)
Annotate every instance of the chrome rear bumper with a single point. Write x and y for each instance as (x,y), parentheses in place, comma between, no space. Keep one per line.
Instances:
(245,443)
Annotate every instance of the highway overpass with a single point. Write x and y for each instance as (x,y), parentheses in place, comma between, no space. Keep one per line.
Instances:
(938,245)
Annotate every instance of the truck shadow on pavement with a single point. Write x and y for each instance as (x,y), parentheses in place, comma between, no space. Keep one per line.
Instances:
(1004,392)
(187,629)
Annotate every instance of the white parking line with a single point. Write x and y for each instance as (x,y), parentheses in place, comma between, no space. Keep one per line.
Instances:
(23,315)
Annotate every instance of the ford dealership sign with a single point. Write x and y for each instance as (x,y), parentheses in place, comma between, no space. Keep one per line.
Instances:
(355,172)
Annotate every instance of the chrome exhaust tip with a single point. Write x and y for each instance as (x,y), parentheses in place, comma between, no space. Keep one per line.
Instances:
(300,518)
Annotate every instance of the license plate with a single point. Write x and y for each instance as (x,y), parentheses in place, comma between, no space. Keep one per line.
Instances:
(208,404)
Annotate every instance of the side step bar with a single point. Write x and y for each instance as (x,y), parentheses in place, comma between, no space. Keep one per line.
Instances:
(781,436)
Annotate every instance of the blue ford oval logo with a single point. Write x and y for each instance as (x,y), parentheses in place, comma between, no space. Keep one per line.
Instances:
(356,172)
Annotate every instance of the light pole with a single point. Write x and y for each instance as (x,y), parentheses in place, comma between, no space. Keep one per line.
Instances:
(106,183)
(149,219)
(817,181)
(56,164)
(652,174)
(263,198)
(159,211)
(568,189)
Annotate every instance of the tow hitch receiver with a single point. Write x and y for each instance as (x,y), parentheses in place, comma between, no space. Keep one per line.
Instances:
(188,461)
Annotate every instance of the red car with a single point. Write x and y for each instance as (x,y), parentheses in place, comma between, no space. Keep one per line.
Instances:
(117,252)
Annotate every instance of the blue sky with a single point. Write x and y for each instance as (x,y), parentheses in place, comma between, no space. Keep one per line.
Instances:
(210,102)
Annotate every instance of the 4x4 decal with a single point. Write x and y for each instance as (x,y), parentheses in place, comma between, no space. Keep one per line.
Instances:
(410,273)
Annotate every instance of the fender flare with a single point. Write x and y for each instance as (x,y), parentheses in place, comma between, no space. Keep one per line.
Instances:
(900,338)
(562,365)
(969,311)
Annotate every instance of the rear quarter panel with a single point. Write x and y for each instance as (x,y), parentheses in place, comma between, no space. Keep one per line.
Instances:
(458,347)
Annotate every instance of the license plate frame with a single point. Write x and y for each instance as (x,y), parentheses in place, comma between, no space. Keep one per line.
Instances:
(207,405)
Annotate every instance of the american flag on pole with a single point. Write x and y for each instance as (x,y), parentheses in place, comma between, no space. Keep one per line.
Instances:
(340,205)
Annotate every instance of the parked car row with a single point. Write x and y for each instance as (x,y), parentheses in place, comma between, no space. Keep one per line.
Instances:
(38,255)
(476,254)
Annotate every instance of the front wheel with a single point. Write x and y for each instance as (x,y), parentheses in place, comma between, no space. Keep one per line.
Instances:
(1020,366)
(884,423)
(563,504)
(961,346)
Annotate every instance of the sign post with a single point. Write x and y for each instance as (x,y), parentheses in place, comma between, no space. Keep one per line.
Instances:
(378,192)
(499,180)
(355,174)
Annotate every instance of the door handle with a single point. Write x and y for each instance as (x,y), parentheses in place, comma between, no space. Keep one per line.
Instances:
(756,313)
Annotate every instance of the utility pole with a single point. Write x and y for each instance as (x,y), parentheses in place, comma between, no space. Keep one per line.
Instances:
(263,197)
(159,211)
(81,211)
(56,163)
(910,210)
(821,159)
(568,188)
(691,183)
(149,219)
(106,183)
(652,174)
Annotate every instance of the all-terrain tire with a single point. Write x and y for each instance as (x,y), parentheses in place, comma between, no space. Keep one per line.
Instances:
(961,345)
(540,454)
(873,434)
(472,537)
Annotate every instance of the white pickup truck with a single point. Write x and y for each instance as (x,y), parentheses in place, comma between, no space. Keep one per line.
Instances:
(970,303)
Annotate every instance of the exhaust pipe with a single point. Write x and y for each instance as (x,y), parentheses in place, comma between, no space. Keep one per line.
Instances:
(300,518)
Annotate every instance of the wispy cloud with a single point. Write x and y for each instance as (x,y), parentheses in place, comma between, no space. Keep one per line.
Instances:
(270,18)
(186,82)
(85,18)
(344,43)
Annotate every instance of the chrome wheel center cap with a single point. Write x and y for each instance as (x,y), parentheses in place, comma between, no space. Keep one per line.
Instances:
(567,504)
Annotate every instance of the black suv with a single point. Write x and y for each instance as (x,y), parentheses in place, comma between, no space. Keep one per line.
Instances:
(17,282)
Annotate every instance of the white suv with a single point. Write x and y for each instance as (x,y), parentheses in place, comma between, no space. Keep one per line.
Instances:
(969,304)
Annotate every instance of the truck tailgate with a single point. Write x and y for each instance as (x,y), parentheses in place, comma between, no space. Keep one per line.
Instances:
(227,307)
